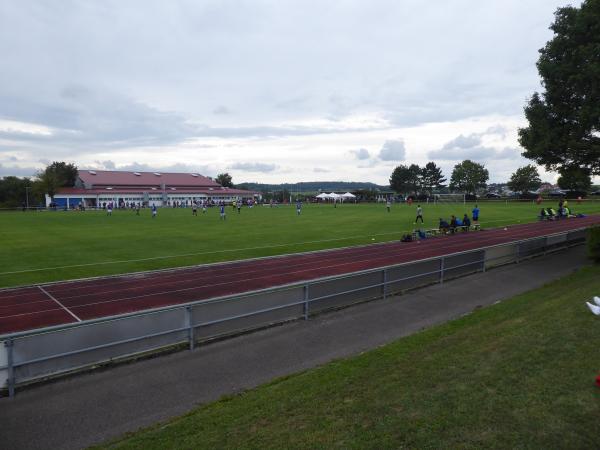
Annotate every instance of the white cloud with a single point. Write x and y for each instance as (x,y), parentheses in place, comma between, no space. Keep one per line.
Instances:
(253,167)
(361,153)
(392,151)
(214,84)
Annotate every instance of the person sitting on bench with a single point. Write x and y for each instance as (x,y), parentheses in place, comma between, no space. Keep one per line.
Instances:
(444,226)
(466,222)
(453,223)
(544,215)
(551,213)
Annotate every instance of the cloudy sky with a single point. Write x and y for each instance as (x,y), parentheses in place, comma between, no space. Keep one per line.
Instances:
(270,91)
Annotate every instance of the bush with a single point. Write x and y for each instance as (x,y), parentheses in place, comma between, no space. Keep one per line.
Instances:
(593,240)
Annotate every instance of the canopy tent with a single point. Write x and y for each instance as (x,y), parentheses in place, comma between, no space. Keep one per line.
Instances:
(348,195)
(323,196)
(334,195)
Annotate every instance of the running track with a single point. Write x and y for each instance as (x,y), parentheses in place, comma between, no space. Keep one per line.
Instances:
(38,306)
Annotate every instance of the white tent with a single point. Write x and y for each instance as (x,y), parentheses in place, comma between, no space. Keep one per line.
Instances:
(323,196)
(348,195)
(334,196)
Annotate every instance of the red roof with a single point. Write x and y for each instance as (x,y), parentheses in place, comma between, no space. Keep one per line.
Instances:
(123,191)
(124,179)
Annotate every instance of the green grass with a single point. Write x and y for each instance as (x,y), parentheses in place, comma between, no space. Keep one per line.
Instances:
(519,374)
(36,246)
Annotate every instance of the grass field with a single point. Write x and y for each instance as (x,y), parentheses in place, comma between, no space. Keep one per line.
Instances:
(519,374)
(48,246)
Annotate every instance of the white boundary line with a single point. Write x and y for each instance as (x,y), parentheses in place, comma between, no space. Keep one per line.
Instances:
(60,304)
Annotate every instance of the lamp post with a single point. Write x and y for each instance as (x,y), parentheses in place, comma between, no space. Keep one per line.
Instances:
(27,197)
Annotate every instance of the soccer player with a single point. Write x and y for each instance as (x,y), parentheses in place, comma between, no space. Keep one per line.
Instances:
(388,205)
(154,211)
(194,209)
(137,209)
(298,207)
(419,214)
(475,213)
(239,206)
(222,211)
(109,209)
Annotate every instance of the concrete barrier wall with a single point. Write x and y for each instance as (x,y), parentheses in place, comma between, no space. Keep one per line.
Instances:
(89,336)
(498,256)
(213,318)
(3,363)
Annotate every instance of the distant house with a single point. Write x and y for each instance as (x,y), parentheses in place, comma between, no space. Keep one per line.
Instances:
(95,188)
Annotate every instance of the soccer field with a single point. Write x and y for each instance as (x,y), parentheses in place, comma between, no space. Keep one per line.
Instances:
(57,245)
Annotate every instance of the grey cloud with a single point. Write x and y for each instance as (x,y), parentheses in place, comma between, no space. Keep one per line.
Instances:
(469,147)
(222,110)
(16,171)
(361,153)
(321,170)
(463,142)
(457,153)
(253,167)
(392,151)
(142,167)
(93,116)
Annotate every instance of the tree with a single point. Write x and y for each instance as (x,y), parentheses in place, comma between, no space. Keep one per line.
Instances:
(56,175)
(431,177)
(404,179)
(224,179)
(564,121)
(525,179)
(468,177)
(15,191)
(575,179)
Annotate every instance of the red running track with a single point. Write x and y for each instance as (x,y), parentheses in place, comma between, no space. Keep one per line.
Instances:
(66,302)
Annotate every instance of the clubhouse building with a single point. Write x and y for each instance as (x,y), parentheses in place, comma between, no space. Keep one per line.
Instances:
(97,188)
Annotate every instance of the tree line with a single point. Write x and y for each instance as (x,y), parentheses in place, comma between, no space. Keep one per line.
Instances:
(21,192)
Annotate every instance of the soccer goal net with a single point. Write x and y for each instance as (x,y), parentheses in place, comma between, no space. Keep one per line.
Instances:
(449,198)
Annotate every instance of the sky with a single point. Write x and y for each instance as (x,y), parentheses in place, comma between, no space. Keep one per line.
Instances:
(269,91)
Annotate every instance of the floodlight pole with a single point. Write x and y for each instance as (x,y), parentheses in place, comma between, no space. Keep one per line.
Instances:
(27,197)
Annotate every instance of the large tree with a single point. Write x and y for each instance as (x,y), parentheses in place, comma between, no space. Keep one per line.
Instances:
(224,179)
(468,177)
(564,120)
(56,175)
(525,179)
(405,179)
(575,179)
(431,177)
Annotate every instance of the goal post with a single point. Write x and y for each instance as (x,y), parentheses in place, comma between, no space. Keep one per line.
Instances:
(449,198)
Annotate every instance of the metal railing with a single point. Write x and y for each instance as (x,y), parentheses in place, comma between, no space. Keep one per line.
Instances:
(34,355)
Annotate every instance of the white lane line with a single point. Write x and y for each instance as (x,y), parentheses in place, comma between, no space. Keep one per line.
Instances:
(60,304)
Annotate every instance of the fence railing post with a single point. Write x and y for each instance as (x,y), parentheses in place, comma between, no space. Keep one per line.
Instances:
(442,264)
(305,305)
(384,287)
(190,324)
(10,381)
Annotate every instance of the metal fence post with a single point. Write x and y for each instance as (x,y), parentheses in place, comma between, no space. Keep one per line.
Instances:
(384,283)
(10,381)
(305,306)
(190,325)
(442,263)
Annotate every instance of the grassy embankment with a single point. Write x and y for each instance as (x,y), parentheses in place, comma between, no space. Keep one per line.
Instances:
(519,374)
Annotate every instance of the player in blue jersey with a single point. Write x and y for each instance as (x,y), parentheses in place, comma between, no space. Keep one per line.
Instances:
(222,211)
(154,211)
(475,214)
(298,207)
